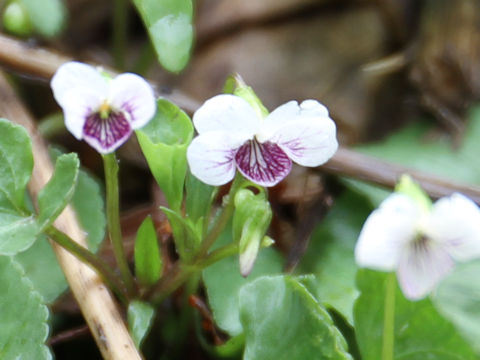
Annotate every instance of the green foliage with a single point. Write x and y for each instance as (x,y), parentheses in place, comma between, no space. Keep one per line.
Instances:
(164,141)
(199,197)
(16,20)
(282,320)
(169,25)
(41,266)
(458,299)
(39,261)
(16,165)
(420,332)
(139,316)
(24,328)
(330,254)
(18,229)
(148,260)
(57,193)
(223,283)
(47,16)
(17,233)
(186,236)
(89,206)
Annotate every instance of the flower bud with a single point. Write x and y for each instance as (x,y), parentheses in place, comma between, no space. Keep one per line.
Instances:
(250,223)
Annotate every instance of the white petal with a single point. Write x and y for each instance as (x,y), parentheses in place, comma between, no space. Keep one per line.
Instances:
(227,113)
(211,157)
(78,104)
(131,93)
(74,75)
(421,268)
(455,223)
(308,142)
(289,112)
(386,232)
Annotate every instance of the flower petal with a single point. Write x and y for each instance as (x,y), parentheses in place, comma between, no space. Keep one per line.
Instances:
(106,135)
(211,157)
(77,105)
(308,143)
(386,232)
(131,93)
(455,223)
(421,268)
(227,113)
(75,75)
(289,112)
(265,164)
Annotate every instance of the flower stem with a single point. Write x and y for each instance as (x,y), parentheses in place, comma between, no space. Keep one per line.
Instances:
(177,276)
(119,30)
(113,217)
(222,219)
(181,272)
(83,254)
(389,318)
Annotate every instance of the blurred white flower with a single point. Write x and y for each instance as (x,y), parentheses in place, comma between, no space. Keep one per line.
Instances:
(100,110)
(420,244)
(232,135)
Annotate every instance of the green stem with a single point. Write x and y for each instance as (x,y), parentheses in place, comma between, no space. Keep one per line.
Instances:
(113,217)
(119,31)
(180,273)
(389,318)
(222,219)
(84,255)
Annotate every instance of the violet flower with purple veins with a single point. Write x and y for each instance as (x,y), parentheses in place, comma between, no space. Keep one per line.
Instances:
(102,111)
(233,136)
(419,244)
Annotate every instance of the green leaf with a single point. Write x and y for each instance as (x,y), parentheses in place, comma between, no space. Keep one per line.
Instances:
(411,147)
(282,320)
(16,164)
(41,267)
(47,16)
(330,254)
(164,141)
(223,283)
(458,299)
(24,317)
(90,209)
(169,24)
(148,261)
(17,233)
(199,197)
(57,193)
(16,20)
(420,331)
(186,237)
(140,316)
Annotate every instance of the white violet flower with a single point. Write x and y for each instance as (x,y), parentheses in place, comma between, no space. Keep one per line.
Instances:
(232,135)
(100,110)
(420,244)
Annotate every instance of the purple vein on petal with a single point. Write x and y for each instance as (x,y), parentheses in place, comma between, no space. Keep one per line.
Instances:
(264,163)
(107,134)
